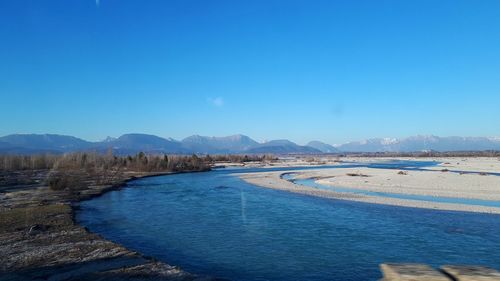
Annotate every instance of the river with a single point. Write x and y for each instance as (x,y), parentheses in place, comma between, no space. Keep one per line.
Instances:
(215,224)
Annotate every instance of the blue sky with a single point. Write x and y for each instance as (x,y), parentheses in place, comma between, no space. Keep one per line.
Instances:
(328,70)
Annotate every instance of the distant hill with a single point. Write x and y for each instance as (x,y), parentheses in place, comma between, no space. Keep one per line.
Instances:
(229,144)
(282,147)
(4,145)
(421,143)
(28,143)
(8,148)
(242,144)
(134,143)
(323,147)
(51,143)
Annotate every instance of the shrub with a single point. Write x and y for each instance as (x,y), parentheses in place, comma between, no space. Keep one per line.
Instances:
(66,181)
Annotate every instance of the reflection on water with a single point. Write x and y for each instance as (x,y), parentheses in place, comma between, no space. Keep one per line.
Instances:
(243,205)
(244,232)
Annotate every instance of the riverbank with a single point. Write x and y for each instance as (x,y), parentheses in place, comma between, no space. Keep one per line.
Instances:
(438,182)
(39,240)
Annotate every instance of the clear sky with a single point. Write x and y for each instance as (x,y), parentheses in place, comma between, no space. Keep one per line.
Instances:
(328,70)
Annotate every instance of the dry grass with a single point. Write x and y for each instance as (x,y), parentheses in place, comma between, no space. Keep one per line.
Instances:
(24,218)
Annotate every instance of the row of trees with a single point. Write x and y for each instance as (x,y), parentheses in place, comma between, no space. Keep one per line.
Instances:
(140,162)
(27,162)
(79,170)
(238,158)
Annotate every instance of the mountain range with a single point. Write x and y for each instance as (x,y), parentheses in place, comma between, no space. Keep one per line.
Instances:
(422,143)
(133,143)
(323,147)
(229,144)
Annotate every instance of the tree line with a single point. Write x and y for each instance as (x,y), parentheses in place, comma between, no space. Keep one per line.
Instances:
(140,162)
(79,170)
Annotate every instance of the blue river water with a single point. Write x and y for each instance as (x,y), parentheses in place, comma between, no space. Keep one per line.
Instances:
(215,224)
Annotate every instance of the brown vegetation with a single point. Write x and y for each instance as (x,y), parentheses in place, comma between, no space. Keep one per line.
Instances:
(76,171)
(238,158)
(27,162)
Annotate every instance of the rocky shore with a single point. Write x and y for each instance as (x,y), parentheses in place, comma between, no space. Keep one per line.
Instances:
(39,240)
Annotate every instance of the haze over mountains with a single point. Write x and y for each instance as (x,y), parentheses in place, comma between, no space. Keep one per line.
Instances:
(282,147)
(421,143)
(229,144)
(323,147)
(133,143)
